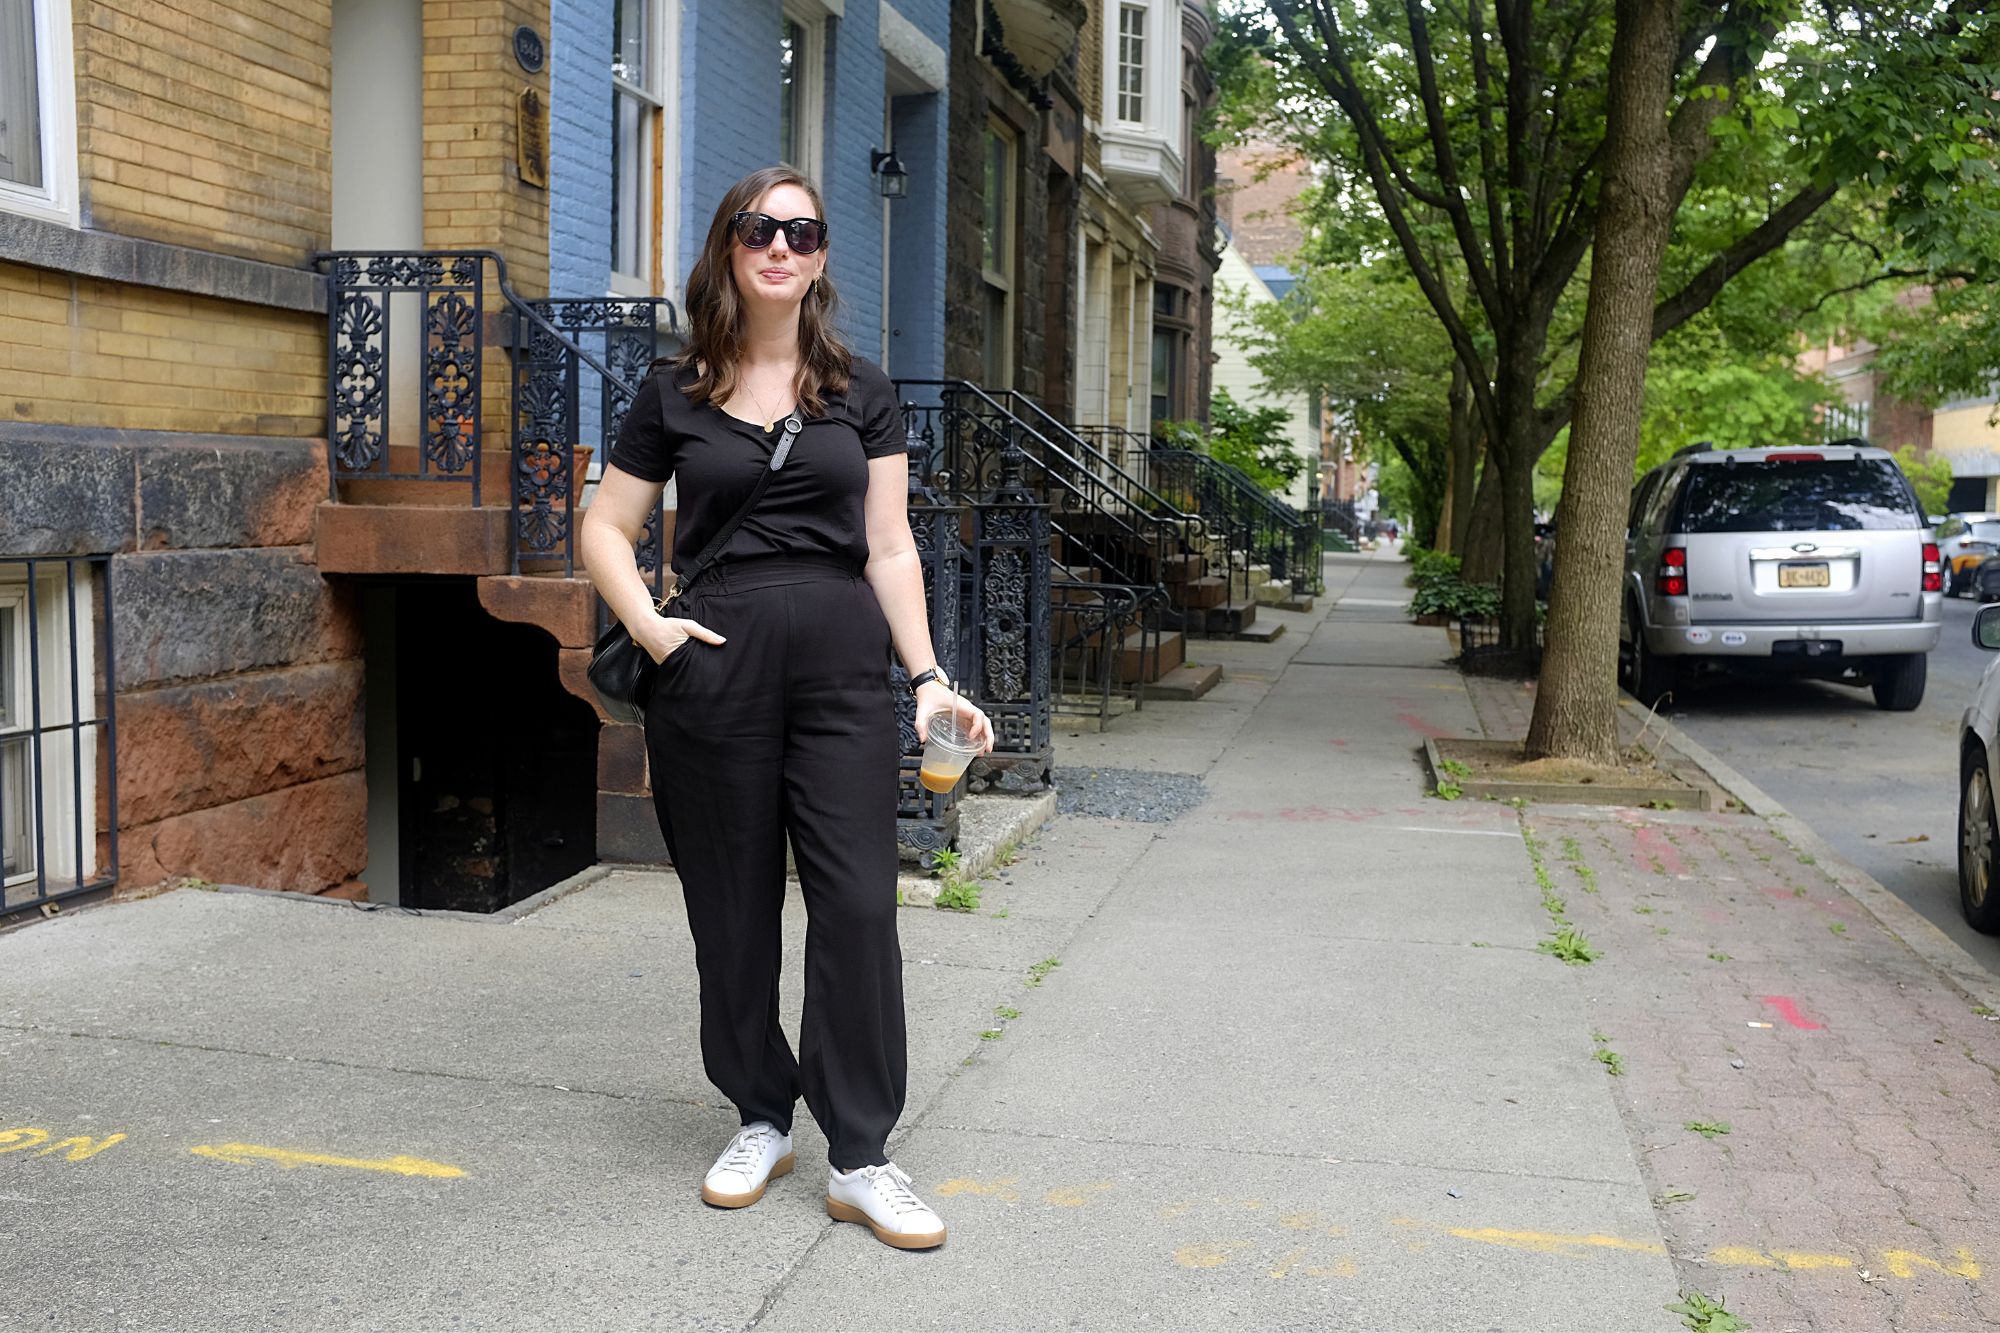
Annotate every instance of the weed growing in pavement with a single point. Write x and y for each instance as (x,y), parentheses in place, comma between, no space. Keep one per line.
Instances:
(1614,1063)
(992,1034)
(1042,969)
(1001,915)
(1708,1129)
(1983,1011)
(1569,945)
(945,863)
(1719,956)
(1447,790)
(1565,940)
(1838,927)
(1704,1315)
(1675,1196)
(1799,893)
(1642,909)
(1009,853)
(1808,859)
(1661,930)
(960,895)
(1454,768)
(1482,944)
(1006,1011)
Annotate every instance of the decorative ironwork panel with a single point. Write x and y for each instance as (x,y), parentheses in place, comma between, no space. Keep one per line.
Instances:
(358,392)
(1010,611)
(927,820)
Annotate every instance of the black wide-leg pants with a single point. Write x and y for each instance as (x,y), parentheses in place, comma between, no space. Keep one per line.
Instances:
(788,728)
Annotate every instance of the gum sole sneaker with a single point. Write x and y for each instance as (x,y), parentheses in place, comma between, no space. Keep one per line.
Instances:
(754,1158)
(879,1198)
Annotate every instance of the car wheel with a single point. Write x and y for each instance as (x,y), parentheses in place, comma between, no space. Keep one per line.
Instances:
(1978,840)
(1653,676)
(1899,684)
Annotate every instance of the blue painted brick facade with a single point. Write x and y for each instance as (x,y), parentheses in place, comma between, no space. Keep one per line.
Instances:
(725,122)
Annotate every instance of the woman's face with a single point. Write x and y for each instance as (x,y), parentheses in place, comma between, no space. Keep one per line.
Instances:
(776,273)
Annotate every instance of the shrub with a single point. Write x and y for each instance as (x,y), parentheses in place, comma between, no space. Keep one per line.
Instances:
(1452,596)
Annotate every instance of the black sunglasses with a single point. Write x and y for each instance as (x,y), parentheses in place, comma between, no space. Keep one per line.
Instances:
(757,230)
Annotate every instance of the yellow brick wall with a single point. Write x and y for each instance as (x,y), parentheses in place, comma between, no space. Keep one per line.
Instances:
(473,195)
(208,125)
(82,352)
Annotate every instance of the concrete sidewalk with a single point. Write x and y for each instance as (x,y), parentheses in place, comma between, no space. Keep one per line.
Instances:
(1297,1064)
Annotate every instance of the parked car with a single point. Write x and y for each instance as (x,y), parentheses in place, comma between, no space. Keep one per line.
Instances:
(1965,541)
(1804,562)
(1978,831)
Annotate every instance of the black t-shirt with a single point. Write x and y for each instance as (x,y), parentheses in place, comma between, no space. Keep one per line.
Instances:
(813,506)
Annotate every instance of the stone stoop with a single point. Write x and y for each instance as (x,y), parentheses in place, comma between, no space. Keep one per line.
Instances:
(1185,683)
(1272,592)
(628,831)
(410,539)
(1295,602)
(1172,648)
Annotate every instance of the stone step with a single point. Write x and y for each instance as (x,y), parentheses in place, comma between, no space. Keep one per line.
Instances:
(1167,654)
(1265,633)
(411,539)
(1200,594)
(1296,602)
(1272,593)
(1230,621)
(496,480)
(1185,683)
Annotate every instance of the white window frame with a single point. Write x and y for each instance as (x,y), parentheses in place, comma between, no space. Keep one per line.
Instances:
(809,83)
(1120,64)
(59,759)
(663,52)
(1003,278)
(56,199)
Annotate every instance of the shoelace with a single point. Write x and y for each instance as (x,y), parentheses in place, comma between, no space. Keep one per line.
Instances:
(892,1186)
(746,1150)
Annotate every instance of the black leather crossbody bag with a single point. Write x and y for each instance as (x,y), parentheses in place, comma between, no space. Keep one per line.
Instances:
(621,671)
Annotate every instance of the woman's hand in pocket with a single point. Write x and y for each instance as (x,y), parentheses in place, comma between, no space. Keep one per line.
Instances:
(665,635)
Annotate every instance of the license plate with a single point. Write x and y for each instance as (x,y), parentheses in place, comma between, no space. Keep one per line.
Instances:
(1804,575)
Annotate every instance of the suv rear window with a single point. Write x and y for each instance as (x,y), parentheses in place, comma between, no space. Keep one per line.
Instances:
(1796,495)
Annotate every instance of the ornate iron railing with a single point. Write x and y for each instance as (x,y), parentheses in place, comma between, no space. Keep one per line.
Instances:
(439,297)
(1266,529)
(926,820)
(1095,625)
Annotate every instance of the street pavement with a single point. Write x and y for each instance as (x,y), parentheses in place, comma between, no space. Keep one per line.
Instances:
(1291,1060)
(1881,787)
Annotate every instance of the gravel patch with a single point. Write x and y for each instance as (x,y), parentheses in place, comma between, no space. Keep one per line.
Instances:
(1127,793)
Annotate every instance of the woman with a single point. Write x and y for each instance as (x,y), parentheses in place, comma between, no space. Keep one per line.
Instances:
(772,715)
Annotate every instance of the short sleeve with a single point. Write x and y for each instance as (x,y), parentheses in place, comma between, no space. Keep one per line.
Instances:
(643,447)
(881,416)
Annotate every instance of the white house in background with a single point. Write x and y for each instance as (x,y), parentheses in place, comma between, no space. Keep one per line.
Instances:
(1240,281)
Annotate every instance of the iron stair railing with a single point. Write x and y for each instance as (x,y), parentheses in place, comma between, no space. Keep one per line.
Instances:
(369,294)
(1270,531)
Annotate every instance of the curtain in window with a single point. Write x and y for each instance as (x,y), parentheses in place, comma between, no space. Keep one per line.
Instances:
(20,96)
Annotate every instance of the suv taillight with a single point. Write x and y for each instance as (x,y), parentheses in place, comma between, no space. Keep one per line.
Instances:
(1673,573)
(1933,568)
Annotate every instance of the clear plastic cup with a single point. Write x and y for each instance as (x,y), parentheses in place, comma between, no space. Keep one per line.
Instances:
(947,750)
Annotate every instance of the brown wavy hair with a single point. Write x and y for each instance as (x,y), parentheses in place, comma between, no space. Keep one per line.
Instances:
(715,308)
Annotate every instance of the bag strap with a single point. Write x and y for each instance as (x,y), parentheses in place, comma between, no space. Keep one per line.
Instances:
(793,425)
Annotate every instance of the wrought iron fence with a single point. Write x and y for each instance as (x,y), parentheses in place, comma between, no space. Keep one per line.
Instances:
(1097,627)
(1266,529)
(58,731)
(926,820)
(438,299)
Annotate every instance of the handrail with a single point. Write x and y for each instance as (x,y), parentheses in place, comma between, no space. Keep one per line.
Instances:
(1110,463)
(507,292)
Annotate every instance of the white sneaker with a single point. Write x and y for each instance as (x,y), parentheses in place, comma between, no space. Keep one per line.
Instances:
(879,1198)
(753,1157)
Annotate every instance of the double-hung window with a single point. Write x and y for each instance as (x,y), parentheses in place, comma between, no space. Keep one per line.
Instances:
(52,737)
(1132,63)
(801,95)
(997,254)
(37,110)
(641,64)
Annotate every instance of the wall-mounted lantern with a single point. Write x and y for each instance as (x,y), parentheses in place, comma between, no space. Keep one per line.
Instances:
(890,178)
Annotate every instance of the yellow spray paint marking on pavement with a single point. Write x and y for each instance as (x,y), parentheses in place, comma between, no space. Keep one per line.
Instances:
(1169,1211)
(1794,1259)
(1064,1196)
(1341,1268)
(248,1153)
(1741,1256)
(80,1147)
(1208,1255)
(1287,1263)
(1001,1187)
(1904,1263)
(1553,1242)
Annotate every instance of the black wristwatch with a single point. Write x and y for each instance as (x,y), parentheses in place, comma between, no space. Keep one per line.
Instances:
(927,675)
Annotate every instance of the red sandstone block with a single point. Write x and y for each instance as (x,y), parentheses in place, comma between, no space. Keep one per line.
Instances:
(306,839)
(193,747)
(566,608)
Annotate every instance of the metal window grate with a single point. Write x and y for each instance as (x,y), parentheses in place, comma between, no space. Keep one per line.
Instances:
(58,731)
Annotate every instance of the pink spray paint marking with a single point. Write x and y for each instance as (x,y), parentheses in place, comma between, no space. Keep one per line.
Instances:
(1423,728)
(1653,845)
(1789,1011)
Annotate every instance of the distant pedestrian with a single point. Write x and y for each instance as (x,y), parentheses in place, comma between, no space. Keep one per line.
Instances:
(771,714)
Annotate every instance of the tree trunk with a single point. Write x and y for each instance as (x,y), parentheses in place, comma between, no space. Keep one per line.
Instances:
(1463,448)
(1480,548)
(1517,536)
(1576,703)
(1441,540)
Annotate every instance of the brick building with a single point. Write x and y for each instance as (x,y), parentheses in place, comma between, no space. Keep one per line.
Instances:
(284,597)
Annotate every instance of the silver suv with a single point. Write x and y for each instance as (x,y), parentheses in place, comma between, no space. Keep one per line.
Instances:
(1811,562)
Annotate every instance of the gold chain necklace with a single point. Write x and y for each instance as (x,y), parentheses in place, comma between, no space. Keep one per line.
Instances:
(770,418)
